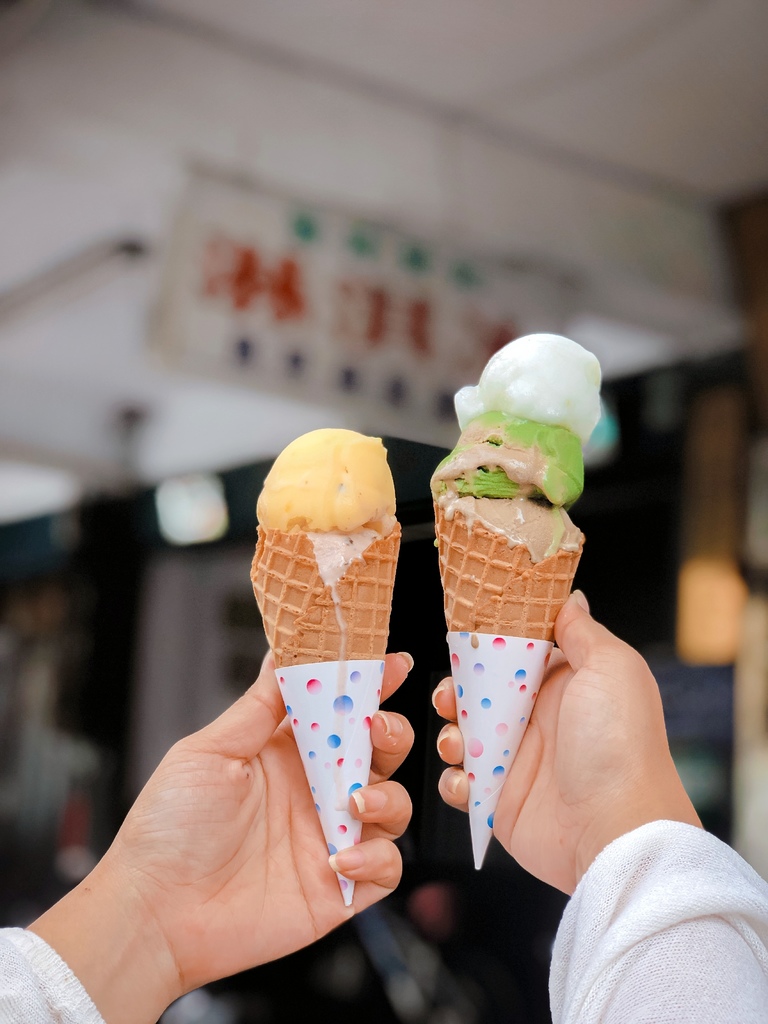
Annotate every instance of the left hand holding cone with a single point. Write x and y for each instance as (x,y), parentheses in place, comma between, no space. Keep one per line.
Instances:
(221,864)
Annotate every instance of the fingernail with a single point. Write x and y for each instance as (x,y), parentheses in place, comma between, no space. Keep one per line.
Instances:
(581,600)
(393,727)
(438,689)
(367,800)
(453,783)
(440,741)
(347,860)
(406,656)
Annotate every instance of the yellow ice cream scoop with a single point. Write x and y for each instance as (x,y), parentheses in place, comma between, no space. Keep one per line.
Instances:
(329,479)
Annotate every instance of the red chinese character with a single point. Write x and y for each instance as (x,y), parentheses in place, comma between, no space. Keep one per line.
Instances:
(233,271)
(419,315)
(378,310)
(286,291)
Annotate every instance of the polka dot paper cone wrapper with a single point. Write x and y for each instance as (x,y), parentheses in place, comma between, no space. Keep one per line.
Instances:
(496,680)
(330,705)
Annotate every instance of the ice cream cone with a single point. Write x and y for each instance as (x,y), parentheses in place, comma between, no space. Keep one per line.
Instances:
(500,609)
(329,643)
(305,622)
(490,587)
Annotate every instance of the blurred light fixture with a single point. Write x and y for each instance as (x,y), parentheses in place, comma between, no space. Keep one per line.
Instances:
(192,509)
(603,444)
(711,596)
(28,491)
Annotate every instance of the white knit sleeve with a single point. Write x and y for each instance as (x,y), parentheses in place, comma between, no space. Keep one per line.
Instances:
(668,926)
(36,986)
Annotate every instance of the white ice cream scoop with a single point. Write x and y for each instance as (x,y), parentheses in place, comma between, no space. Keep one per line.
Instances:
(542,377)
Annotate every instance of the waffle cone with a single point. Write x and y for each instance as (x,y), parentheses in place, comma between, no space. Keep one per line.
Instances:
(301,618)
(490,587)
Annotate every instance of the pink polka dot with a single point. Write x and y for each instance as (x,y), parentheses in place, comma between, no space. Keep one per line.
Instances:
(499,642)
(358,762)
(295,721)
(327,764)
(474,747)
(314,686)
(340,762)
(502,728)
(487,790)
(378,693)
(315,726)
(463,714)
(523,687)
(455,660)
(342,829)
(471,776)
(535,695)
(358,839)
(367,722)
(281,679)
(530,646)
(351,721)
(343,884)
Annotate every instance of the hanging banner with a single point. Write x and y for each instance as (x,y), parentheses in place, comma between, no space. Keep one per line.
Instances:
(316,303)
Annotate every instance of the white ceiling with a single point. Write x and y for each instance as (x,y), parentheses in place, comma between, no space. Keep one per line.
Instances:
(431,110)
(673,89)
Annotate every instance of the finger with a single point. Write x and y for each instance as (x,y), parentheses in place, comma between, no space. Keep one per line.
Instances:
(384,809)
(392,739)
(450,744)
(244,728)
(375,860)
(453,787)
(396,668)
(444,700)
(578,635)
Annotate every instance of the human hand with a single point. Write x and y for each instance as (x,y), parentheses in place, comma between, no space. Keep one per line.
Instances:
(594,762)
(221,863)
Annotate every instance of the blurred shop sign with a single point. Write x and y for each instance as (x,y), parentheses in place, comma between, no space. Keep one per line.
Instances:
(313,302)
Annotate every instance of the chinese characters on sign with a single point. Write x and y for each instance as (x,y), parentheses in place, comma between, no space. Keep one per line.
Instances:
(319,304)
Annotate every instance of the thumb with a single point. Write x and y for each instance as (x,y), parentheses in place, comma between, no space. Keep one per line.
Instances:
(578,635)
(244,728)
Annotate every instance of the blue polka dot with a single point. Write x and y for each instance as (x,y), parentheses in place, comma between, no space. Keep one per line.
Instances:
(311,755)
(313,789)
(460,690)
(343,705)
(520,674)
(289,709)
(506,753)
(478,668)
(317,808)
(354,676)
(354,786)
(498,770)
(485,703)
(334,740)
(522,720)
(332,849)
(464,635)
(477,803)
(490,821)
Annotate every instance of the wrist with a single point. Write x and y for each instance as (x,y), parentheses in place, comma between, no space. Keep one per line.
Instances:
(105,932)
(667,804)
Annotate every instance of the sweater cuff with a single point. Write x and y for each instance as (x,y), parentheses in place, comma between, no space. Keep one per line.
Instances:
(62,991)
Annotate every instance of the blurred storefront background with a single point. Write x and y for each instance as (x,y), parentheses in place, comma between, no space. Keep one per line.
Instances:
(224,225)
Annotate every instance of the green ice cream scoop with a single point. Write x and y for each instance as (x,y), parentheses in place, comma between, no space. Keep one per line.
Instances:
(501,456)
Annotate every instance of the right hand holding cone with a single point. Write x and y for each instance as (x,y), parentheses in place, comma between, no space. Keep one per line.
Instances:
(593,764)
